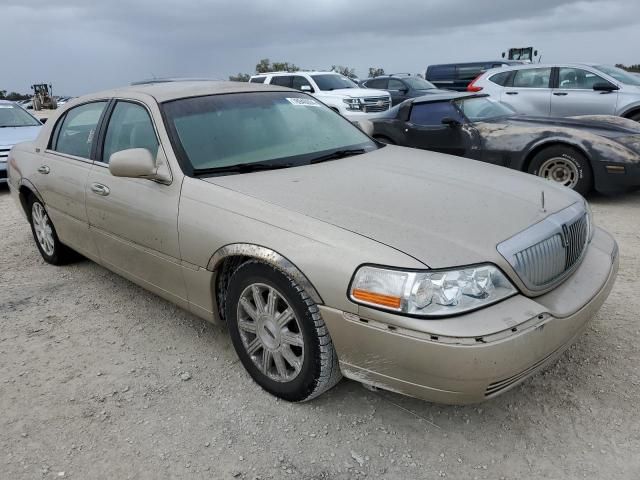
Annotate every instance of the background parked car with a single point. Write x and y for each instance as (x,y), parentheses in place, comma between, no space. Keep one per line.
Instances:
(579,153)
(16,125)
(562,90)
(456,76)
(401,86)
(338,92)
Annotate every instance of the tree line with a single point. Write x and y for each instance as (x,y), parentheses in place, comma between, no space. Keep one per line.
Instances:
(629,68)
(265,66)
(13,96)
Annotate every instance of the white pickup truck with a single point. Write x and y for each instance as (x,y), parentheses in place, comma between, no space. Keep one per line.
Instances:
(336,91)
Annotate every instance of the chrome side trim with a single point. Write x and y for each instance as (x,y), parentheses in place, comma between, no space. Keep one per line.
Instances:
(268,256)
(541,243)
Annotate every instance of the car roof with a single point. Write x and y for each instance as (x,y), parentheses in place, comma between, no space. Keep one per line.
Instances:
(543,65)
(502,60)
(438,97)
(167,91)
(299,72)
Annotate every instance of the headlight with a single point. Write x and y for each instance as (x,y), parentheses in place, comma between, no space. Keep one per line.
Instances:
(590,225)
(352,103)
(430,293)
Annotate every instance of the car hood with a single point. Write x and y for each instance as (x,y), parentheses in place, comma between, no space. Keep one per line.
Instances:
(356,92)
(9,136)
(441,210)
(607,125)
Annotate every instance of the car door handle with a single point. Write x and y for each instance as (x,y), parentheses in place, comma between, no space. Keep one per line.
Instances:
(511,93)
(44,169)
(100,189)
(560,94)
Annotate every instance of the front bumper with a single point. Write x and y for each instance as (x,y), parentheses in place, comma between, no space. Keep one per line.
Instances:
(611,177)
(460,369)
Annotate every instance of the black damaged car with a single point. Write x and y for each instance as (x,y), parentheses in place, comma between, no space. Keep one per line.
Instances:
(598,152)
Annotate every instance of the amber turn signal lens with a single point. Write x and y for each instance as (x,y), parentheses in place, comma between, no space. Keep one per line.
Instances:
(377,298)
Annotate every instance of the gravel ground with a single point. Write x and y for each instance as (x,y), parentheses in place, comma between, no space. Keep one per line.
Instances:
(100,379)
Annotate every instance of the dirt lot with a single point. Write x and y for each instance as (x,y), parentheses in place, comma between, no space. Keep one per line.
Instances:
(92,385)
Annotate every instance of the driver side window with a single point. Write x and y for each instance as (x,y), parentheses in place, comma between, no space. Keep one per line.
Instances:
(129,127)
(432,114)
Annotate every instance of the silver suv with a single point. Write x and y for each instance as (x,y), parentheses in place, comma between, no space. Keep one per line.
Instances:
(563,90)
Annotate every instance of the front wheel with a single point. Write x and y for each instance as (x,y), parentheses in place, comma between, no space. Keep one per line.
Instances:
(564,166)
(44,233)
(279,335)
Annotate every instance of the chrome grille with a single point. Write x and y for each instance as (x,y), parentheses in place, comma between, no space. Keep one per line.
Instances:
(376,104)
(547,252)
(4,153)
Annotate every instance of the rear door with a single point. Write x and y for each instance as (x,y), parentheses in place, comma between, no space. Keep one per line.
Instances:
(63,173)
(574,94)
(425,129)
(529,92)
(133,220)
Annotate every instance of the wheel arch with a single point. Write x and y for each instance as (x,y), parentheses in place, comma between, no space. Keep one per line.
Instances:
(537,148)
(26,190)
(229,257)
(635,110)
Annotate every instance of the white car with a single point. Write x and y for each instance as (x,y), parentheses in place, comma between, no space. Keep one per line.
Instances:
(338,92)
(16,126)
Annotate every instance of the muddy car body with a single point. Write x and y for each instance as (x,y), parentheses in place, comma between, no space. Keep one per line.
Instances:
(392,266)
(598,151)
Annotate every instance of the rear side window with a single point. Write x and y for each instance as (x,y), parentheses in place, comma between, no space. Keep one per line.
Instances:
(377,83)
(441,72)
(76,133)
(500,78)
(532,78)
(129,127)
(395,84)
(431,114)
(282,81)
(257,80)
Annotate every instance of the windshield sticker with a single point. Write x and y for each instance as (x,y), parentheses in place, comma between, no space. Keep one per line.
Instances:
(6,106)
(306,102)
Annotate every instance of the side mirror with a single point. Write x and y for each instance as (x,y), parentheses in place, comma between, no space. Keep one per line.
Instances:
(451,122)
(133,163)
(306,88)
(604,87)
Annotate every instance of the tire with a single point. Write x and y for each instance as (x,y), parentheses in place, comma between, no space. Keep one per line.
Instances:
(37,105)
(44,233)
(565,166)
(635,117)
(383,139)
(294,360)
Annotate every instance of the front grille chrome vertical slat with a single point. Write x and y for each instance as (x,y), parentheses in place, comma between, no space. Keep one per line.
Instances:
(547,252)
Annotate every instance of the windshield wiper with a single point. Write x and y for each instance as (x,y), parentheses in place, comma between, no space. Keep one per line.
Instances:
(242,168)
(337,154)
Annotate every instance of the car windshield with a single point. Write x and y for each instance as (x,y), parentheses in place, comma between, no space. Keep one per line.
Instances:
(619,74)
(13,116)
(483,108)
(418,83)
(333,81)
(258,130)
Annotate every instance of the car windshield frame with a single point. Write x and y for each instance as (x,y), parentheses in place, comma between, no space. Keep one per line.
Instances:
(505,110)
(28,120)
(320,78)
(190,168)
(619,74)
(411,80)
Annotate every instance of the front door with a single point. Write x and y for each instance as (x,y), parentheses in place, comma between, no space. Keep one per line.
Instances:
(575,94)
(134,220)
(425,129)
(63,173)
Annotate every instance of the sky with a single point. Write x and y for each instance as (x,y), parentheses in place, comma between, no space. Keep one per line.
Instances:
(82,46)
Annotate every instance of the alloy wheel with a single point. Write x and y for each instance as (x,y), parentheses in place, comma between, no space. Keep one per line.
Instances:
(560,170)
(42,228)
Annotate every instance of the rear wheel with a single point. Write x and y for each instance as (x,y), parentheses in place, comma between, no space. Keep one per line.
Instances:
(564,166)
(37,105)
(44,233)
(279,335)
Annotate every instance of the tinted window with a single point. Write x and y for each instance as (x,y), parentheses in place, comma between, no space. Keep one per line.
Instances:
(576,78)
(532,78)
(287,128)
(500,78)
(431,114)
(395,84)
(298,82)
(282,81)
(13,116)
(469,72)
(418,83)
(257,80)
(333,81)
(377,83)
(441,72)
(78,129)
(129,127)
